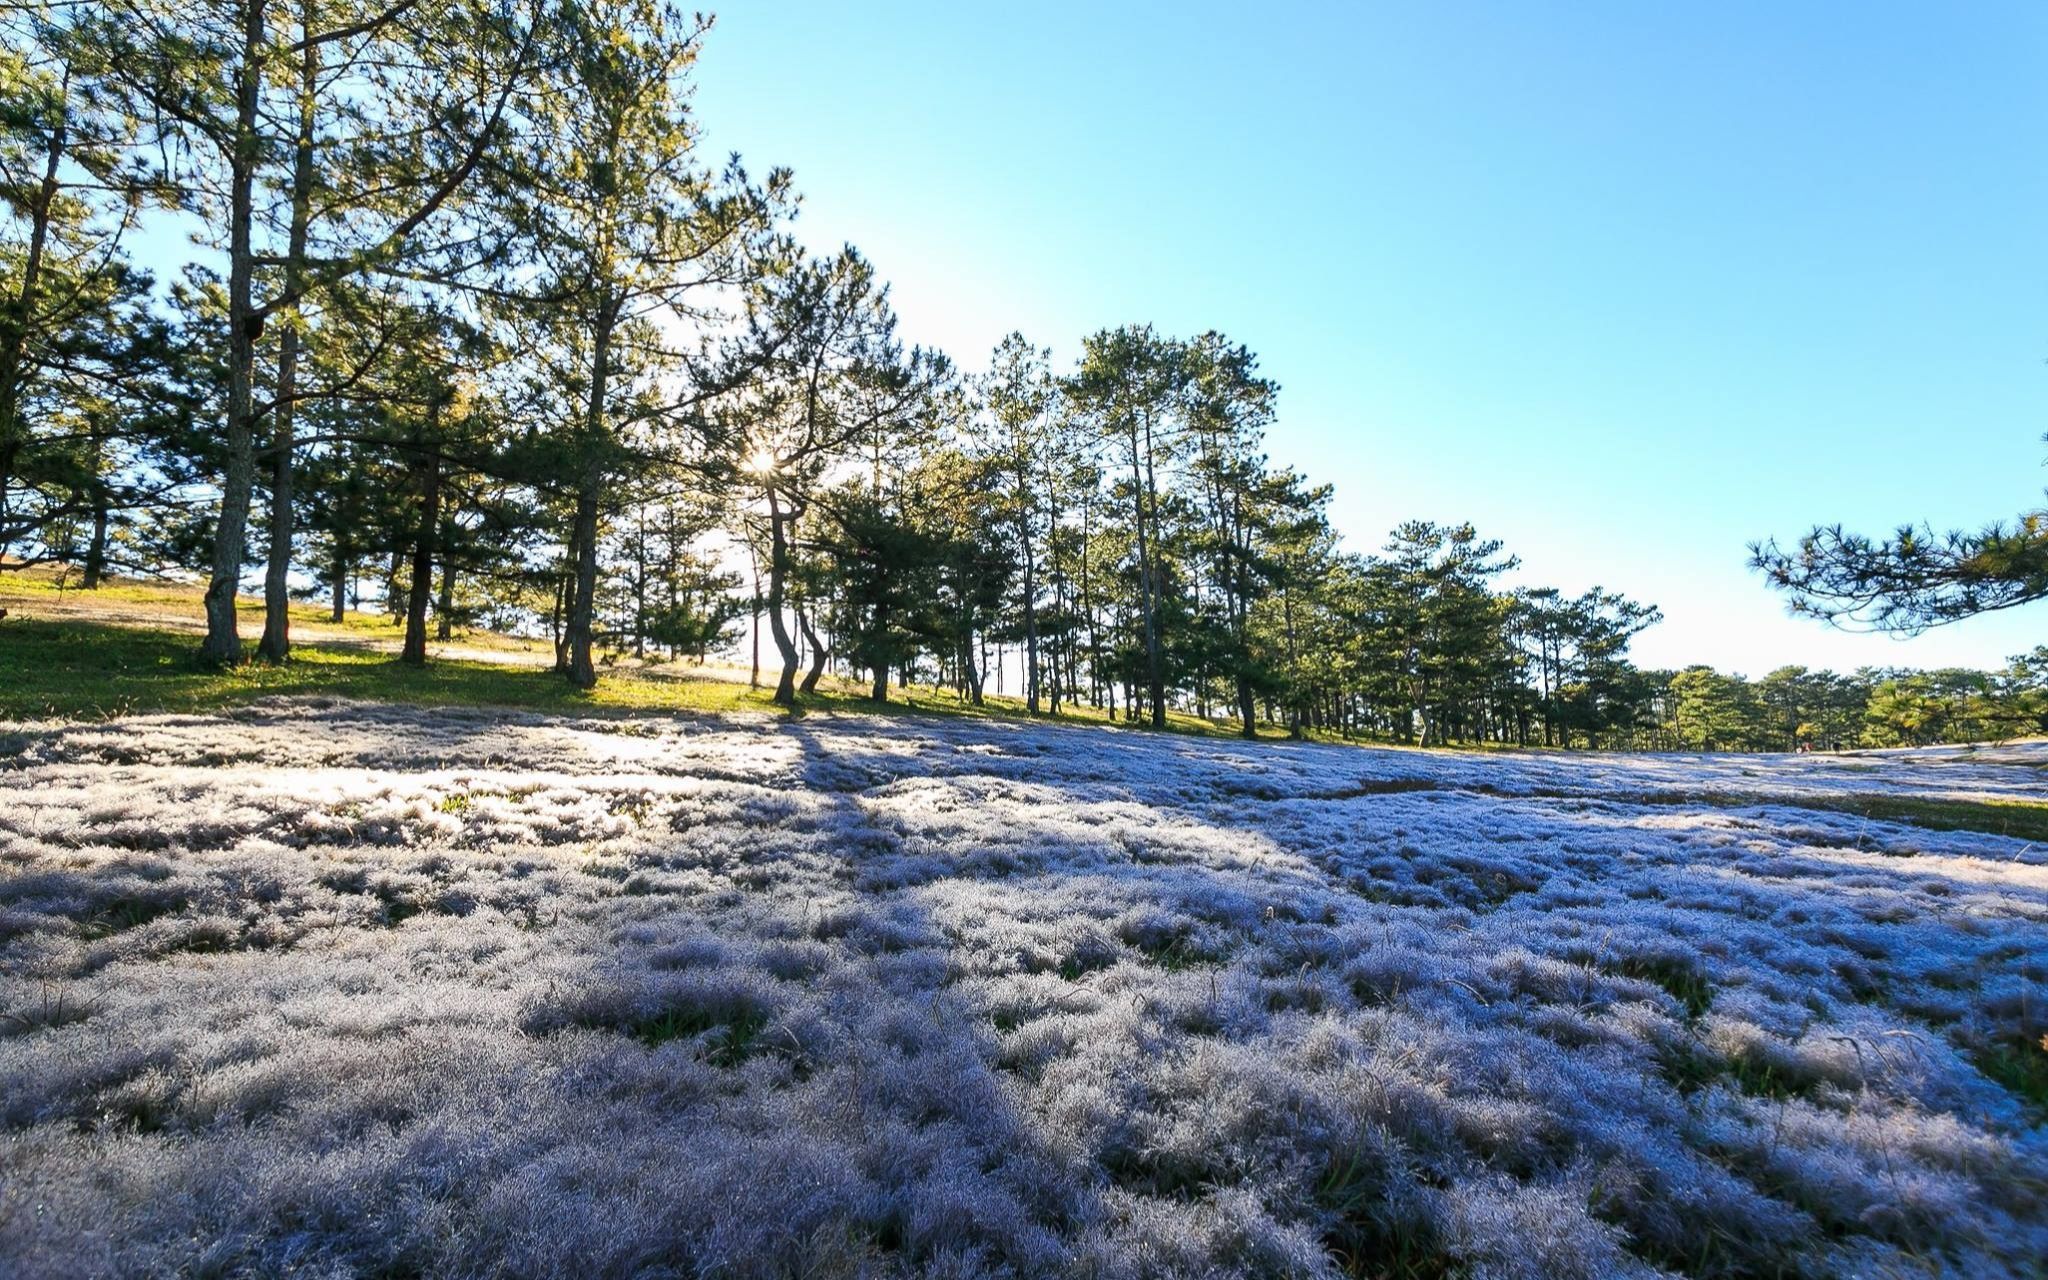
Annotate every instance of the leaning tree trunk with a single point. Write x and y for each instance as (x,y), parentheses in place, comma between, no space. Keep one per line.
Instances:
(778,577)
(819,653)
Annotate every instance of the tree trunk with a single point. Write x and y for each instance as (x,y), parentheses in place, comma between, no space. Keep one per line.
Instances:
(778,577)
(21,317)
(640,581)
(583,597)
(223,644)
(583,588)
(276,645)
(970,672)
(1154,680)
(1030,618)
(414,653)
(96,549)
(754,563)
(819,653)
(444,608)
(341,569)
(1293,665)
(555,619)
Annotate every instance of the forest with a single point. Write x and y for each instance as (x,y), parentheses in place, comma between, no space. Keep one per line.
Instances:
(444,310)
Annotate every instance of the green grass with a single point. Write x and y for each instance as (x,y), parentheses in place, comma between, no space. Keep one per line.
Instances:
(75,655)
(127,647)
(1684,979)
(76,670)
(53,593)
(71,654)
(2020,1063)
(2023,819)
(732,1044)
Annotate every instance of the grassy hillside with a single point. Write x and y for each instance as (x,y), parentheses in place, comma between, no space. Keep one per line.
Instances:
(130,647)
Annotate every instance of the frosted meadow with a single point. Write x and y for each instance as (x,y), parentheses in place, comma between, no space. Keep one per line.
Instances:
(326,989)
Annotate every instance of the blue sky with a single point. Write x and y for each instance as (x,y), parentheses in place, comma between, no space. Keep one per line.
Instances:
(1626,285)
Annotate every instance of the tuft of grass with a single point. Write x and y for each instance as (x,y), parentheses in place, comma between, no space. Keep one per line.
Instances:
(54,1008)
(129,911)
(2020,1063)
(1365,1235)
(1760,1079)
(1683,978)
(733,1041)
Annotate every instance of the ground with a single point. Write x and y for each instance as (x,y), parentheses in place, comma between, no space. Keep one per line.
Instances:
(324,988)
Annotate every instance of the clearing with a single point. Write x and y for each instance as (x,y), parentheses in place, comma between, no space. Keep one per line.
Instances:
(327,988)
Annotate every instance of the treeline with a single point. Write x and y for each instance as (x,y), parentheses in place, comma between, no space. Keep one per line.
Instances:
(477,332)
(1794,708)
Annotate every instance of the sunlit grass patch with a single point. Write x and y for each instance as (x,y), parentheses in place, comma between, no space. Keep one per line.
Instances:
(85,670)
(2021,819)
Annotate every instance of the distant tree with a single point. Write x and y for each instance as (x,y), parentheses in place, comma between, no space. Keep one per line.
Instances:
(1715,712)
(834,385)
(1128,381)
(1907,711)
(1021,398)
(631,243)
(2021,694)
(1594,688)
(1812,707)
(1447,626)
(1229,407)
(886,573)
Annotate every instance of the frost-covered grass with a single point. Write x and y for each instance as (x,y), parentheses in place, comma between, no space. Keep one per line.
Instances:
(336,989)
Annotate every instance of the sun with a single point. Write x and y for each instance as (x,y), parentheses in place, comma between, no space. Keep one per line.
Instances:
(760,462)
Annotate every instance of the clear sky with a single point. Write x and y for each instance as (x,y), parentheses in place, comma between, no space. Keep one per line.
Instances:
(1627,285)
